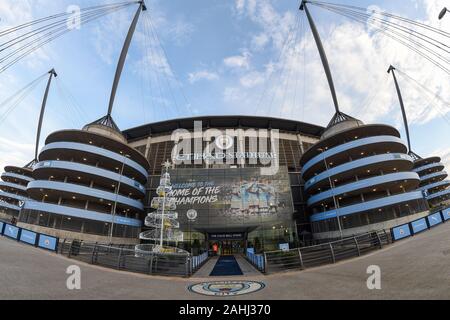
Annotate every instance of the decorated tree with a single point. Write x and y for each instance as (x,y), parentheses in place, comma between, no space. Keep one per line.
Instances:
(163,221)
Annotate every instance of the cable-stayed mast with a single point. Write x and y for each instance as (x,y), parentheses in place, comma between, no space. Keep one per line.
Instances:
(123,55)
(107,120)
(52,73)
(402,106)
(323,56)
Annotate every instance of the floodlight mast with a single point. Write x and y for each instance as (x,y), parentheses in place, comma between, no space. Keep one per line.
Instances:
(405,121)
(322,54)
(123,55)
(52,73)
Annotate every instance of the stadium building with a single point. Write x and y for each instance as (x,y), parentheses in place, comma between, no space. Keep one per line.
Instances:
(432,181)
(13,190)
(87,183)
(359,179)
(91,181)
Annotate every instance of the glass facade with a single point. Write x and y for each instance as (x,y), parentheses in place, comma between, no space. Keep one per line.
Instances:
(257,210)
(289,152)
(371,216)
(74,224)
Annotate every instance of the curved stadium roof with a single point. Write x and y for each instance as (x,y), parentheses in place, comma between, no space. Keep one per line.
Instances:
(232,121)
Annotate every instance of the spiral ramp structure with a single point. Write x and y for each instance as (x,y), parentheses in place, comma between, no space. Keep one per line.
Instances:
(85,183)
(13,190)
(362,175)
(433,181)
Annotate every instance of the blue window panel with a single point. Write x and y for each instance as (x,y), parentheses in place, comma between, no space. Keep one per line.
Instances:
(28,236)
(47,242)
(1,227)
(401,232)
(434,219)
(446,214)
(419,225)
(11,231)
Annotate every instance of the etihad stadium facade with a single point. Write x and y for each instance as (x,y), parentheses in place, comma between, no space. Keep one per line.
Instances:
(96,184)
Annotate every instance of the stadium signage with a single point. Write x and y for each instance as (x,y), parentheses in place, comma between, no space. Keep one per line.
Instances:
(229,146)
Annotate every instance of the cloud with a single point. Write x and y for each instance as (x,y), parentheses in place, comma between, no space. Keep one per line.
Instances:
(358,57)
(239,61)
(444,153)
(202,75)
(180,32)
(252,79)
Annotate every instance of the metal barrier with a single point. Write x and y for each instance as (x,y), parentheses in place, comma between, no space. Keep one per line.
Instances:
(326,253)
(30,237)
(198,261)
(257,260)
(123,257)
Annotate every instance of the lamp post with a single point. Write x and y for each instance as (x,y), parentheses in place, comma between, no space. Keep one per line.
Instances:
(117,195)
(336,205)
(442,13)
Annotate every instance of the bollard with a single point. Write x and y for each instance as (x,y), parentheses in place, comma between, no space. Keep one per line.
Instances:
(357,246)
(302,266)
(332,253)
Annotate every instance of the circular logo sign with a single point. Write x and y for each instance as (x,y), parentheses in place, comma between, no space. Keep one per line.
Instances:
(226,288)
(191,214)
(224,142)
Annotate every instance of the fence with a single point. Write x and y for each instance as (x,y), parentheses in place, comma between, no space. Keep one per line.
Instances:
(123,257)
(257,260)
(198,261)
(40,240)
(326,253)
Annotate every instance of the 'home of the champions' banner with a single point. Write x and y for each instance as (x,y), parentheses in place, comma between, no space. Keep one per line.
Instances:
(239,196)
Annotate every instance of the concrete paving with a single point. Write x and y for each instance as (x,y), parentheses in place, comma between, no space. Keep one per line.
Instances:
(414,268)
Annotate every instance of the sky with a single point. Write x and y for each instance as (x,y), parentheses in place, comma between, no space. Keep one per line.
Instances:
(216,57)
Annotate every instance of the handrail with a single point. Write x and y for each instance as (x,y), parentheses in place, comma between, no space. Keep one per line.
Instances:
(324,253)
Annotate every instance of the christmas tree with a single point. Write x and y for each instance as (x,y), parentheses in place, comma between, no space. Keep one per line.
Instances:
(163,221)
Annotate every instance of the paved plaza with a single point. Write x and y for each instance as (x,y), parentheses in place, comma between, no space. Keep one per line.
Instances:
(414,268)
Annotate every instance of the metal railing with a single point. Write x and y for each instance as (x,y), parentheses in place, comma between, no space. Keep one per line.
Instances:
(123,257)
(326,253)
(257,260)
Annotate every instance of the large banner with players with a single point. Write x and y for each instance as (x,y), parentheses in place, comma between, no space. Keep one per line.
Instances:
(231,197)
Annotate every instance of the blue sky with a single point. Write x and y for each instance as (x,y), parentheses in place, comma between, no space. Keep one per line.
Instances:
(222,57)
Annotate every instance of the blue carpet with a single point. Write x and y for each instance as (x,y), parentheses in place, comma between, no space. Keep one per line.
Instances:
(226,266)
